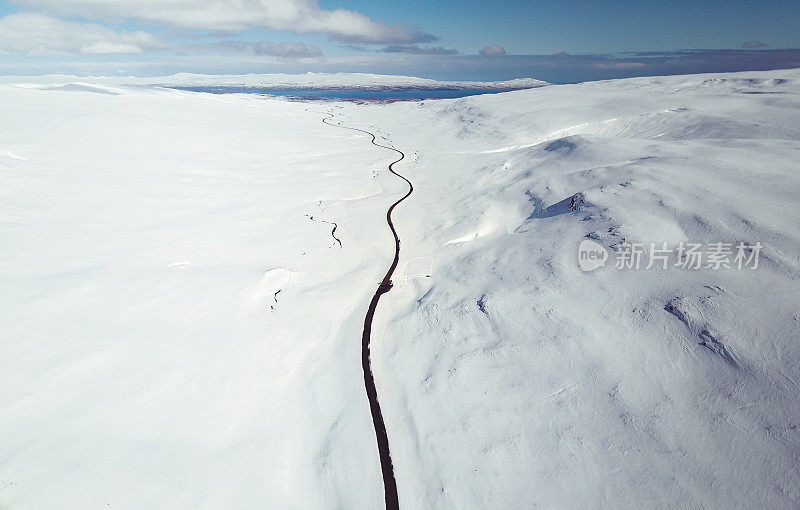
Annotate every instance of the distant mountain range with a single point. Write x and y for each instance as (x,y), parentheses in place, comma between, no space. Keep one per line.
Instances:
(285,81)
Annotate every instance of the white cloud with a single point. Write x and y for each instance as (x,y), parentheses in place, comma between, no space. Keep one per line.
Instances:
(493,51)
(36,34)
(300,16)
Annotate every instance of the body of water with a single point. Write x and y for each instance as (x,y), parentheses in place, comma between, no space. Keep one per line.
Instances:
(384,94)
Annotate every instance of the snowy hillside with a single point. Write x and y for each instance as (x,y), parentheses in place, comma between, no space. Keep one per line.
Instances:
(181,325)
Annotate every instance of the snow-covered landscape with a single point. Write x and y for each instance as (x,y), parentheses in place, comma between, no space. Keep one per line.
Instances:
(348,81)
(185,278)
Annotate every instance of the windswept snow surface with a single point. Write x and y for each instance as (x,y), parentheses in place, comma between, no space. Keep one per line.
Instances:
(177,333)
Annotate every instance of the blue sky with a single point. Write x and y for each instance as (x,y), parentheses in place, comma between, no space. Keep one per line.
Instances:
(438,39)
(530,27)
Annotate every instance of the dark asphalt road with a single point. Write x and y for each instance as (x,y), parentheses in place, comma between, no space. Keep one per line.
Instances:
(389,483)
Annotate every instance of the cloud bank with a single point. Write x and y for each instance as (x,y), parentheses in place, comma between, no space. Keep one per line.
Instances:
(267,48)
(37,34)
(299,16)
(413,49)
(493,51)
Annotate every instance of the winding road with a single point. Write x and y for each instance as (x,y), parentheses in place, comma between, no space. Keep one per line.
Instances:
(389,483)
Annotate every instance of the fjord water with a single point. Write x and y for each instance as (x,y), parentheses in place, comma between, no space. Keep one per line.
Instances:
(396,93)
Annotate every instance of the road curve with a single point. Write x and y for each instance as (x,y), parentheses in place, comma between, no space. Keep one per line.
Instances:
(389,483)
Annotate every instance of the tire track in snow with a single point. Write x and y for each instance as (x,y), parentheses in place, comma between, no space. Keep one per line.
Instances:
(389,482)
